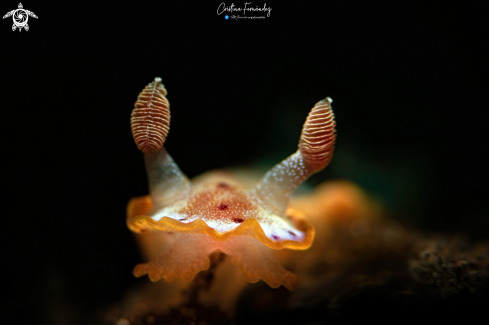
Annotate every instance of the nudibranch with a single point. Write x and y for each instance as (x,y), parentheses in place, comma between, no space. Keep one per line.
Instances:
(181,222)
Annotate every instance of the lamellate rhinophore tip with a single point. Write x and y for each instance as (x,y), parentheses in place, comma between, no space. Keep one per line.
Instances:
(150,118)
(318,136)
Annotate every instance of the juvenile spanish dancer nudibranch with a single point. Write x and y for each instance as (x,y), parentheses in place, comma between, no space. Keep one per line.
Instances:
(182,222)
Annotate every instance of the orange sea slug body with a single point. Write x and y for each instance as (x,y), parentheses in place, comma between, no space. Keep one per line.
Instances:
(181,223)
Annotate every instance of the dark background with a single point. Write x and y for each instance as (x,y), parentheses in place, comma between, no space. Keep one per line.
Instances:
(410,89)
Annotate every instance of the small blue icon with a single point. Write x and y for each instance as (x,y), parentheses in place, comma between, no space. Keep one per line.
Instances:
(226,17)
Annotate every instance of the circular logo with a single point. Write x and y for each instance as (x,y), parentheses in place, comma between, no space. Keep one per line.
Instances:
(20,17)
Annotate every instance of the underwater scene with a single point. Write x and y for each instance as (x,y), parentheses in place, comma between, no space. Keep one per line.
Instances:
(199,162)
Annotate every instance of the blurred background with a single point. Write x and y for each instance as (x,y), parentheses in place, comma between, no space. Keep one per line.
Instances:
(409,84)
